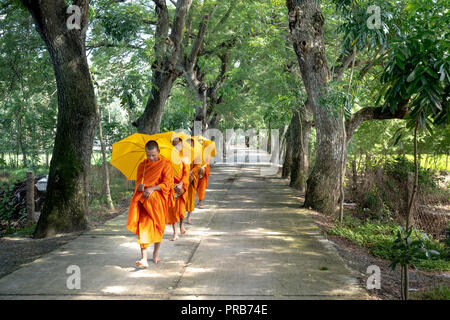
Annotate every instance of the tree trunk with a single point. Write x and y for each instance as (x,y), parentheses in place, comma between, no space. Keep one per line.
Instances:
(46,159)
(410,211)
(306,25)
(214,122)
(65,205)
(165,72)
(150,121)
(20,140)
(30,197)
(354,180)
(194,75)
(107,189)
(301,130)
(287,163)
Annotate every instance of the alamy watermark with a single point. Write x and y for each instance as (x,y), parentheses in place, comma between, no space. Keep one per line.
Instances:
(374,21)
(74,280)
(374,280)
(74,20)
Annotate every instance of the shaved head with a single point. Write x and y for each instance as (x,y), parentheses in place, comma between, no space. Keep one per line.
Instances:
(152,145)
(152,151)
(176,141)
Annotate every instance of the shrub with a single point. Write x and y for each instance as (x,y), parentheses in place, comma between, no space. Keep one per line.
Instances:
(399,168)
(437,293)
(379,238)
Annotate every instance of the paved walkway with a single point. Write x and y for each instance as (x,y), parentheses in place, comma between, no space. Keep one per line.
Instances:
(251,242)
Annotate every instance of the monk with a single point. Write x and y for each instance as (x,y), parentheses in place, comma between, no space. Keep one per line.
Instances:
(193,184)
(152,197)
(204,173)
(181,184)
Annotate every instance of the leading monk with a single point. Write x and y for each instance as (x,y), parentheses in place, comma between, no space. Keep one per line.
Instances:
(152,197)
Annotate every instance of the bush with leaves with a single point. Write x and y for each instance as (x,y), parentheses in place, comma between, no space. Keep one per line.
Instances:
(8,206)
(400,167)
(408,251)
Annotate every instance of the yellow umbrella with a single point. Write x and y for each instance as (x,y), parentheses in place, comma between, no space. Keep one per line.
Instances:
(208,145)
(196,152)
(128,153)
(186,147)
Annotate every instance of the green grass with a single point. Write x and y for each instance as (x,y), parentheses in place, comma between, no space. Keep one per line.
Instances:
(12,175)
(438,293)
(379,239)
(435,163)
(438,162)
(25,232)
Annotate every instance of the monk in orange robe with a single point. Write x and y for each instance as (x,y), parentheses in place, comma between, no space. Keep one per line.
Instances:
(152,197)
(204,173)
(193,184)
(181,184)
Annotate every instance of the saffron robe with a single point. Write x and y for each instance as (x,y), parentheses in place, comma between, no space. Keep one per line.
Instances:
(146,216)
(177,212)
(203,183)
(190,204)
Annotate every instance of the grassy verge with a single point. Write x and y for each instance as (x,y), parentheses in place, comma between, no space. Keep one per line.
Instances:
(379,238)
(437,293)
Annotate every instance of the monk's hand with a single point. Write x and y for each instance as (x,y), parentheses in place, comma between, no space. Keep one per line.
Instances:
(179,188)
(148,192)
(141,188)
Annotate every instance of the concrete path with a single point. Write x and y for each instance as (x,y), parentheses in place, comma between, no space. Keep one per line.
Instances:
(251,242)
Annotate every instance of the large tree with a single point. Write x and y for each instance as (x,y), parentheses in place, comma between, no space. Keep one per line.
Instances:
(306,24)
(66,202)
(167,51)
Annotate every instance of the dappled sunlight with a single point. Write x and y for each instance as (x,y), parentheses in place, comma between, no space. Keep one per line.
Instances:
(97,253)
(125,269)
(147,274)
(263,231)
(209,190)
(114,289)
(204,233)
(200,270)
(64,253)
(251,243)
(130,245)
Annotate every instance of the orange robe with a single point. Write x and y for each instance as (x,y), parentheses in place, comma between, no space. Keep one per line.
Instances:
(146,216)
(177,212)
(203,183)
(190,204)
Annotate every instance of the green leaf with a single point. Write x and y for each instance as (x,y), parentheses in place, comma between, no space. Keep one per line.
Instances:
(434,252)
(431,72)
(411,76)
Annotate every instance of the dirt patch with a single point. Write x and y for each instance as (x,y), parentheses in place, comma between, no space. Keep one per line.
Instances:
(16,251)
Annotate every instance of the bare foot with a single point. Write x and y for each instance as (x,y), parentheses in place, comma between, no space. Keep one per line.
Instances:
(142,263)
(200,204)
(182,230)
(189,221)
(156,260)
(175,237)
